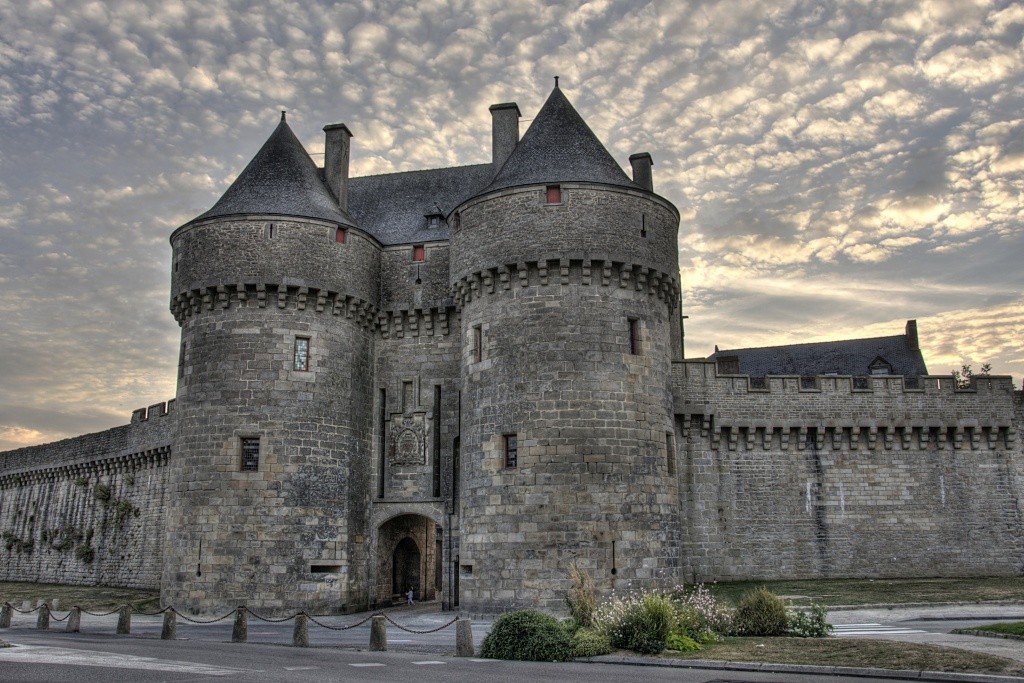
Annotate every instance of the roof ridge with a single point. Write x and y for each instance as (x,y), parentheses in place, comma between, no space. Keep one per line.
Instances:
(813,343)
(417,170)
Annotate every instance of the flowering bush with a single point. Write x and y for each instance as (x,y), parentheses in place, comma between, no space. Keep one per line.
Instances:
(811,623)
(639,622)
(711,616)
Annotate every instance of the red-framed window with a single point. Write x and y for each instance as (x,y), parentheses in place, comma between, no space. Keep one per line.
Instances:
(419,253)
(340,235)
(554,194)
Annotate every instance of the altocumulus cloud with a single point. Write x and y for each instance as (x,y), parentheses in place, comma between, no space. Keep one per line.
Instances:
(840,167)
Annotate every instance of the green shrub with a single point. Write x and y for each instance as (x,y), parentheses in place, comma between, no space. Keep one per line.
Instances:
(760,613)
(642,623)
(529,636)
(811,623)
(587,642)
(681,642)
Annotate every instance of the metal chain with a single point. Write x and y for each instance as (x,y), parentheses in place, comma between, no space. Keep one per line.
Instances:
(19,611)
(203,621)
(152,614)
(341,628)
(64,618)
(409,630)
(272,621)
(102,614)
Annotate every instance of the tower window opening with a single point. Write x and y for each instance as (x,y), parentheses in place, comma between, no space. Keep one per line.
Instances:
(634,337)
(554,194)
(301,361)
(340,235)
(181,359)
(670,453)
(643,225)
(478,343)
(250,454)
(419,253)
(511,451)
(270,231)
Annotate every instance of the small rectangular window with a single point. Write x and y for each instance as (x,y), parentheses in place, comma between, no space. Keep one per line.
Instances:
(181,360)
(301,353)
(634,336)
(511,451)
(554,194)
(340,234)
(250,454)
(270,231)
(419,253)
(478,343)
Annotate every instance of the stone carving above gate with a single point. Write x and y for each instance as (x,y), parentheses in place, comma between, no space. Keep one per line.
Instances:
(408,441)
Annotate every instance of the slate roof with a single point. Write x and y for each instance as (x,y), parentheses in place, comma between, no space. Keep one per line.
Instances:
(280,180)
(559,147)
(848,357)
(393,206)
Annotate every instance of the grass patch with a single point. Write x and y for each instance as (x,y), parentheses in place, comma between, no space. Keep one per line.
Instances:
(832,592)
(881,654)
(1014,629)
(95,598)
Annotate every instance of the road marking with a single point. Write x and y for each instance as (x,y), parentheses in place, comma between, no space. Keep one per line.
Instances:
(845,630)
(301,668)
(30,654)
(482,660)
(362,664)
(428,662)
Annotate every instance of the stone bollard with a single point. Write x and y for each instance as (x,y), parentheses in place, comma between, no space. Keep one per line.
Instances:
(55,604)
(26,605)
(464,638)
(300,636)
(124,620)
(5,615)
(240,631)
(170,629)
(43,620)
(74,620)
(378,634)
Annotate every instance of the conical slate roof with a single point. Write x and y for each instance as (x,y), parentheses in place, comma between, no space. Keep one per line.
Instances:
(280,180)
(559,147)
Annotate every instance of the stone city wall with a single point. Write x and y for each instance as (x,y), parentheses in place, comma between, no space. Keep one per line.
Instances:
(794,481)
(88,510)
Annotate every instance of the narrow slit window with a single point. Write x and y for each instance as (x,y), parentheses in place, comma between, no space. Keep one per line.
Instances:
(419,253)
(340,235)
(301,361)
(670,453)
(181,359)
(270,231)
(634,337)
(478,343)
(511,451)
(250,454)
(554,194)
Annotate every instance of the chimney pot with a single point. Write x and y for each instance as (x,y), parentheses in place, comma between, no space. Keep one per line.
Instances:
(642,174)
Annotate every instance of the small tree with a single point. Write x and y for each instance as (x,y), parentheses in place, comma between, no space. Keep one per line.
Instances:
(963,376)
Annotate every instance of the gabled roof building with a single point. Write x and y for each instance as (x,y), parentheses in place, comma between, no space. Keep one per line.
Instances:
(464,381)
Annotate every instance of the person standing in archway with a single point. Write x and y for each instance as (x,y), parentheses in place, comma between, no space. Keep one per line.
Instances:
(408,597)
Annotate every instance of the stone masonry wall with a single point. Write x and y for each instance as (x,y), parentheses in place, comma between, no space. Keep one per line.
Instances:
(88,510)
(834,481)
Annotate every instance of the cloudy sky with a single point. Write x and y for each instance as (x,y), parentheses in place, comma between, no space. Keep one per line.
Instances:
(839,167)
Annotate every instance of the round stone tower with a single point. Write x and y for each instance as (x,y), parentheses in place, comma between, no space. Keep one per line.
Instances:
(564,270)
(275,290)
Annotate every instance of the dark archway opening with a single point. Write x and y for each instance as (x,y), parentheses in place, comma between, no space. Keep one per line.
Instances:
(405,569)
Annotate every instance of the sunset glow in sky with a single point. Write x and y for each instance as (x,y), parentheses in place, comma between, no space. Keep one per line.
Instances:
(840,167)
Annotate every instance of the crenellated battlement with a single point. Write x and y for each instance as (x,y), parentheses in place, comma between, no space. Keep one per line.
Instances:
(597,272)
(193,302)
(428,322)
(157,410)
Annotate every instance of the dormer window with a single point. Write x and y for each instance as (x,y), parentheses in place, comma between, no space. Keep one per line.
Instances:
(419,253)
(554,194)
(880,366)
(434,220)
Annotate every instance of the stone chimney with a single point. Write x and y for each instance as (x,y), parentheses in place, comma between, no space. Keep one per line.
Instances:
(337,138)
(504,132)
(641,164)
(912,336)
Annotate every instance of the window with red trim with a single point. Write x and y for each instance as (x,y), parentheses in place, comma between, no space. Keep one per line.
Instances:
(340,234)
(419,253)
(554,194)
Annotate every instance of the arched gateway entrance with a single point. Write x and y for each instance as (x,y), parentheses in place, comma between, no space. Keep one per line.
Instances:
(408,553)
